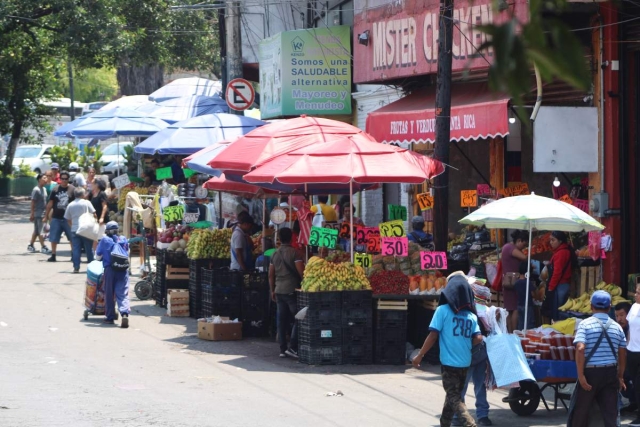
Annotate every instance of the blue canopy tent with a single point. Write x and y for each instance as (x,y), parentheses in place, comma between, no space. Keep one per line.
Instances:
(65,129)
(118,122)
(183,108)
(186,87)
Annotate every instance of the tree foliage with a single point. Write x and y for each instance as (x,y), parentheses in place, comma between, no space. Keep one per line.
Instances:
(90,85)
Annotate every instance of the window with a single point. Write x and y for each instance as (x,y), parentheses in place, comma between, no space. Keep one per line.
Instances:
(27,152)
(336,14)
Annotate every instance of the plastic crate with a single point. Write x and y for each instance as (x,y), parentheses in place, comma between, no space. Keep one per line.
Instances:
(390,346)
(324,336)
(391,319)
(256,280)
(226,301)
(360,353)
(356,299)
(357,333)
(357,316)
(196,266)
(226,277)
(176,259)
(195,295)
(255,306)
(323,308)
(320,355)
(207,276)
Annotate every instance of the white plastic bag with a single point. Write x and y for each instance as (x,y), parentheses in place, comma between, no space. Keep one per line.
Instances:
(88,226)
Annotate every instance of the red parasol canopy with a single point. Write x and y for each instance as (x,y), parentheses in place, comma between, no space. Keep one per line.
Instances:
(344,160)
(270,141)
(221,183)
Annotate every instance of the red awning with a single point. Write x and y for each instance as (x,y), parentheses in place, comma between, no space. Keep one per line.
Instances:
(476,113)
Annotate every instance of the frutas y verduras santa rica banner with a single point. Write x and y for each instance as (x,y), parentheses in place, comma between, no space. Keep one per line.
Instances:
(306,72)
(403,36)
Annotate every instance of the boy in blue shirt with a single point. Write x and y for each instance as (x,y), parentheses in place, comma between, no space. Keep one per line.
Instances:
(455,327)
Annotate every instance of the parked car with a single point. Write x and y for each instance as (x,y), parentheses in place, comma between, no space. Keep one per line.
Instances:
(38,157)
(112,160)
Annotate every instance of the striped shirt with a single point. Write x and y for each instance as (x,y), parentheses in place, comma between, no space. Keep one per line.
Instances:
(588,333)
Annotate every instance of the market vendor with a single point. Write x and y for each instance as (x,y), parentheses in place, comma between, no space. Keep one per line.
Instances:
(560,270)
(521,292)
(241,249)
(348,210)
(418,235)
(511,258)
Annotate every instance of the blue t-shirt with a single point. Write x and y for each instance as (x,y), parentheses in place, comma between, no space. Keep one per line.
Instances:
(456,332)
(105,247)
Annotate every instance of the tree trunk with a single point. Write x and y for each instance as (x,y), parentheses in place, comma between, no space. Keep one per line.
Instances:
(16,131)
(139,80)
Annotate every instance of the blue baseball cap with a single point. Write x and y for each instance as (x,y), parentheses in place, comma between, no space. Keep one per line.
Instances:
(601,299)
(111,225)
(55,166)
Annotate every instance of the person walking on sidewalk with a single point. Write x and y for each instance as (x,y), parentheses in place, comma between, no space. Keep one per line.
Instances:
(285,275)
(455,327)
(58,201)
(72,214)
(601,357)
(38,206)
(116,273)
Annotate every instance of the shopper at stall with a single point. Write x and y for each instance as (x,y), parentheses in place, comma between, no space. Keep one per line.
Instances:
(348,211)
(98,199)
(622,311)
(285,275)
(58,202)
(38,206)
(241,250)
(116,273)
(78,207)
(601,357)
(511,258)
(633,350)
(560,269)
(323,213)
(521,291)
(455,327)
(418,235)
(55,170)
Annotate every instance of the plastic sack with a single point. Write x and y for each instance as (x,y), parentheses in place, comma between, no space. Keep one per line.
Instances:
(88,226)
(507,359)
(302,313)
(491,271)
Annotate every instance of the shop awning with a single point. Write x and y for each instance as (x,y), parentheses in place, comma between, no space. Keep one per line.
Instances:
(476,113)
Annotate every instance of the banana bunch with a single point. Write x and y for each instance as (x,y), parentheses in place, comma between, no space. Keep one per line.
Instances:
(122,199)
(320,275)
(582,304)
(206,244)
(611,288)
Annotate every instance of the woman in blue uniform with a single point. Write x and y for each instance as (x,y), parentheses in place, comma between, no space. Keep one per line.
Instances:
(115,261)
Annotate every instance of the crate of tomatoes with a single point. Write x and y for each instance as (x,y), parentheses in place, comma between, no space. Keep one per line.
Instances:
(385,282)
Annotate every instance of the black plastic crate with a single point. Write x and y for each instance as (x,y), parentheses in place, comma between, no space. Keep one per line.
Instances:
(195,295)
(176,259)
(390,346)
(206,293)
(357,316)
(196,266)
(221,262)
(256,297)
(360,353)
(320,355)
(225,277)
(208,276)
(356,299)
(323,308)
(255,280)
(176,284)
(227,308)
(357,333)
(391,319)
(324,336)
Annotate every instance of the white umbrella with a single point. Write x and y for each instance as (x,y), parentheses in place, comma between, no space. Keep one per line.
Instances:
(529,212)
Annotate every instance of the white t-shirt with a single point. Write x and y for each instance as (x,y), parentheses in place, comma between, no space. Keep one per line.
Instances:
(633,318)
(238,241)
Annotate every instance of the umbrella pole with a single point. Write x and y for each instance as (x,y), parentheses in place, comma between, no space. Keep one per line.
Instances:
(264,224)
(351,216)
(220,224)
(290,214)
(526,300)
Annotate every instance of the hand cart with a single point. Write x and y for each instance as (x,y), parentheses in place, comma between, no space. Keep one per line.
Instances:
(144,288)
(94,291)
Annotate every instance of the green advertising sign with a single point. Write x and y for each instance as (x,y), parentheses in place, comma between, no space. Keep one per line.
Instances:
(306,72)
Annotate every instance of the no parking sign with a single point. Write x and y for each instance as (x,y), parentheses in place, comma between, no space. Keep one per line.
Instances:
(240,94)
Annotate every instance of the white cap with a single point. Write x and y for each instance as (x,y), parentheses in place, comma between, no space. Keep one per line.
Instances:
(73,166)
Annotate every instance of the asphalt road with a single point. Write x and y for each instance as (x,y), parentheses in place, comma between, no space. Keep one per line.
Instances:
(58,370)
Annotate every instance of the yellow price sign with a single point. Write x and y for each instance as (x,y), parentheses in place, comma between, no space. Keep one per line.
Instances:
(392,229)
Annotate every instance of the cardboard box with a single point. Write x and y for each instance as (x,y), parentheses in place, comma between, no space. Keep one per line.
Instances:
(177,310)
(219,331)
(178,296)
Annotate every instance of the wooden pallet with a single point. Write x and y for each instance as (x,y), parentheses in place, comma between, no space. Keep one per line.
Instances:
(392,305)
(430,304)
(589,278)
(177,273)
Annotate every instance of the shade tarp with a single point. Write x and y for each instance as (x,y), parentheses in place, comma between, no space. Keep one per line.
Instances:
(118,122)
(186,87)
(132,102)
(183,108)
(476,113)
(221,183)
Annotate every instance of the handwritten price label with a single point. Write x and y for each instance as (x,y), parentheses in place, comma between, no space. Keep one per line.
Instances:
(565,198)
(468,198)
(516,190)
(164,173)
(331,225)
(323,237)
(395,246)
(373,242)
(483,189)
(433,260)
(191,217)
(583,205)
(397,212)
(363,260)
(392,229)
(173,213)
(121,181)
(425,201)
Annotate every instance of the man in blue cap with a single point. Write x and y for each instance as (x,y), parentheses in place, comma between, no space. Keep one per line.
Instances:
(113,251)
(601,357)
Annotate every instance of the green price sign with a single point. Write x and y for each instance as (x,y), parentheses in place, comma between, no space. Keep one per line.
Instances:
(397,212)
(323,237)
(173,213)
(164,173)
(188,173)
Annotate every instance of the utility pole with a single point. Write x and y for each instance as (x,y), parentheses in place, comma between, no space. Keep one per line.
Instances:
(443,124)
(233,45)
(71,95)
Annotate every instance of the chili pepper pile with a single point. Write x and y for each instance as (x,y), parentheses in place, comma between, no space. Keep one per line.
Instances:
(389,282)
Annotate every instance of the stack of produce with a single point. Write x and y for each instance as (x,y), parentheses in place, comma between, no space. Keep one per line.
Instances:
(409,266)
(389,282)
(582,304)
(320,275)
(540,245)
(177,236)
(430,283)
(123,195)
(337,256)
(205,243)
(257,243)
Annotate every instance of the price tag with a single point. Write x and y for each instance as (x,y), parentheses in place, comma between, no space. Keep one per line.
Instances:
(468,198)
(323,237)
(188,173)
(483,189)
(326,334)
(164,173)
(121,181)
(583,205)
(425,200)
(516,190)
(397,212)
(373,242)
(363,260)
(565,198)
(433,260)
(173,213)
(360,235)
(191,217)
(345,230)
(392,229)
(395,246)
(331,225)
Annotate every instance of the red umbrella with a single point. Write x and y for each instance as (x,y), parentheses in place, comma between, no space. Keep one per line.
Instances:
(221,183)
(272,140)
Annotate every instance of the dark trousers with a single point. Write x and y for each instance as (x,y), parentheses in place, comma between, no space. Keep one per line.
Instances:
(633,373)
(453,381)
(604,390)
(286,317)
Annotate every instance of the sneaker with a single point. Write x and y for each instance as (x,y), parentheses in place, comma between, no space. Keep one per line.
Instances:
(125,321)
(31,249)
(283,356)
(635,423)
(52,258)
(292,353)
(484,421)
(45,250)
(76,270)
